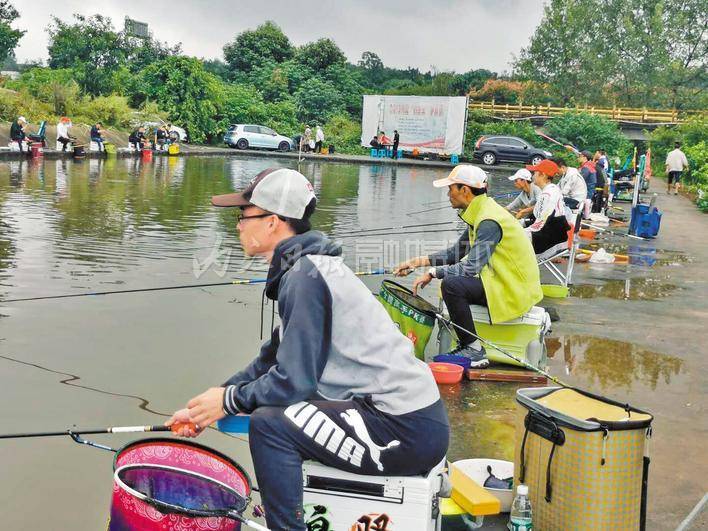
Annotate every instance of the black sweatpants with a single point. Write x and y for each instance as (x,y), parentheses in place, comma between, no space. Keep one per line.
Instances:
(554,231)
(351,435)
(458,293)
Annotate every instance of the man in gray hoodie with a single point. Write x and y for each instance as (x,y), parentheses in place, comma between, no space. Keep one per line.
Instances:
(337,382)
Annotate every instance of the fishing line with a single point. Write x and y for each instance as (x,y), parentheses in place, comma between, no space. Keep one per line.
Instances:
(185,286)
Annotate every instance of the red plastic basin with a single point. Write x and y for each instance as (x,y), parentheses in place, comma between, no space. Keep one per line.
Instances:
(446,373)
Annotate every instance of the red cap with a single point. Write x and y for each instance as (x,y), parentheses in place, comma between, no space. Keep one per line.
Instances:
(547,167)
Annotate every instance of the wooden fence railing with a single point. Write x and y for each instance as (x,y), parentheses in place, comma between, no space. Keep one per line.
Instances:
(614,113)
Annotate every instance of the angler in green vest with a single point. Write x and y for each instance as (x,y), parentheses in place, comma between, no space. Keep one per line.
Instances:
(492,264)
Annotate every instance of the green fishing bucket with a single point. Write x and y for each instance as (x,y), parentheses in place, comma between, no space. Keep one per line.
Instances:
(414,315)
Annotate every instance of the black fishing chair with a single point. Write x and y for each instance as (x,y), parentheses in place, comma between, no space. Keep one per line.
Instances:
(564,249)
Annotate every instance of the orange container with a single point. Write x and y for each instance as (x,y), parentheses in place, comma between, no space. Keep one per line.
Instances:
(587,234)
(446,373)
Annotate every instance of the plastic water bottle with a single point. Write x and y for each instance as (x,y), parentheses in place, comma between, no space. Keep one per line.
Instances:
(520,518)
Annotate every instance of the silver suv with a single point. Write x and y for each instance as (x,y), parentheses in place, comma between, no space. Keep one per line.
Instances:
(244,136)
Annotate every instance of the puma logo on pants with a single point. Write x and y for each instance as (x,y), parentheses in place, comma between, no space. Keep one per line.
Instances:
(316,425)
(353,418)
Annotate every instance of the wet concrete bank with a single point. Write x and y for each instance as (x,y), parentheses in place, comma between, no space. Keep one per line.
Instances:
(632,332)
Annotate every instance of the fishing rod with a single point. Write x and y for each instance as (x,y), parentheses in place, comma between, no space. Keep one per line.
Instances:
(437,231)
(93,431)
(165,288)
(397,227)
(567,146)
(498,196)
(608,231)
(618,257)
(503,351)
(348,233)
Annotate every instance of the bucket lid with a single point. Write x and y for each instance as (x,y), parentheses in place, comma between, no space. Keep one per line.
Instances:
(582,410)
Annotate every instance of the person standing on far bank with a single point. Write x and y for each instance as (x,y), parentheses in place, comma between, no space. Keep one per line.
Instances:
(395,144)
(676,163)
(319,139)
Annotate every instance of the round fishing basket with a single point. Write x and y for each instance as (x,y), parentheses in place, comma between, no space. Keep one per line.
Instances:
(164,484)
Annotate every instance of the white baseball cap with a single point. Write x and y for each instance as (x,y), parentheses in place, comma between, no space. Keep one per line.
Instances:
(281,191)
(22,119)
(524,174)
(464,174)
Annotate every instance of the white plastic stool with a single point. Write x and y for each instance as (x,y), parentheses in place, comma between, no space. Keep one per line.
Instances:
(60,146)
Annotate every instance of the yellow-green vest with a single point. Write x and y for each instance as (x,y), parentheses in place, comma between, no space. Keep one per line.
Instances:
(511,278)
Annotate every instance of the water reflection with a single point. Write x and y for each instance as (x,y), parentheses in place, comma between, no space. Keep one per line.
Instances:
(635,289)
(482,416)
(483,413)
(119,217)
(641,254)
(608,364)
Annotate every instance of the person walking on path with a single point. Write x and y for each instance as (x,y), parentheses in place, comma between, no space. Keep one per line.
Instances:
(319,139)
(337,382)
(676,164)
(395,144)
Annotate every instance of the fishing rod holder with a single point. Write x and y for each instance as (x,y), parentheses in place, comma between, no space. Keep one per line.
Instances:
(79,440)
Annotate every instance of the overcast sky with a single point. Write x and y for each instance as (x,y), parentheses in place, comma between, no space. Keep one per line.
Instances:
(450,34)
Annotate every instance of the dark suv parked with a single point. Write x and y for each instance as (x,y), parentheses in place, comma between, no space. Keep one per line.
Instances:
(492,149)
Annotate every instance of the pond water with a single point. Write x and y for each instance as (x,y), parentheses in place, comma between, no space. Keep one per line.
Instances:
(102,225)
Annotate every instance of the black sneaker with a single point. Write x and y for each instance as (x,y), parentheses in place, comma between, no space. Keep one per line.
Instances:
(478,357)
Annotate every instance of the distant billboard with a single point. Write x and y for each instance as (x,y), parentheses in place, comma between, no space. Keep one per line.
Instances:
(433,124)
(136,29)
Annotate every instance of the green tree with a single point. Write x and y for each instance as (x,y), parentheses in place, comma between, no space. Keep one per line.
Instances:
(217,67)
(184,90)
(252,48)
(56,87)
(90,47)
(557,51)
(317,100)
(628,52)
(589,131)
(320,55)
(373,68)
(9,36)
(349,83)
(462,84)
(659,56)
(140,53)
(239,104)
(272,81)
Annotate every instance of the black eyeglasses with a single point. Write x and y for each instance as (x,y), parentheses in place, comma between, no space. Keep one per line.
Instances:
(241,217)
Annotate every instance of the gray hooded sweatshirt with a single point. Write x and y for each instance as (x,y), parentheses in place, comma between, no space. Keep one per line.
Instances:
(335,342)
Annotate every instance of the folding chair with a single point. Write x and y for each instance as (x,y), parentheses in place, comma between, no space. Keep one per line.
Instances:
(41,135)
(564,249)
